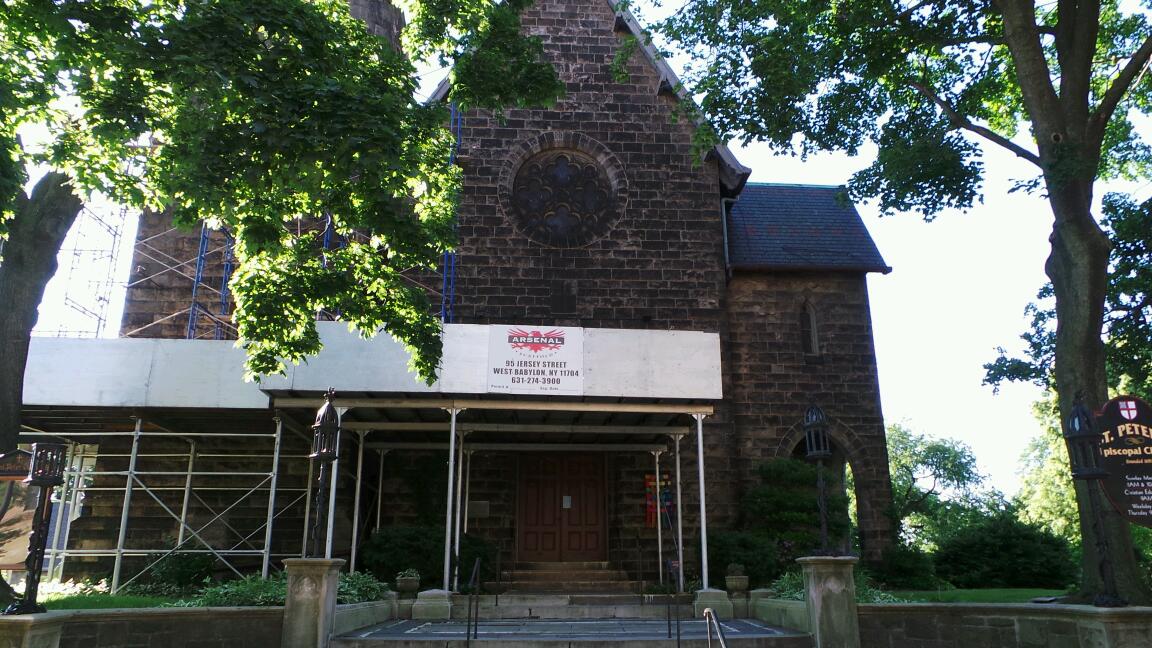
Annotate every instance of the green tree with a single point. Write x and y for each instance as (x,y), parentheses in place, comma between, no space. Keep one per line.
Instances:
(1127,320)
(930,479)
(931,82)
(251,115)
(1046,495)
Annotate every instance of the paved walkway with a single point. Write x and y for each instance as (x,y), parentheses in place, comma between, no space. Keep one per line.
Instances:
(563,630)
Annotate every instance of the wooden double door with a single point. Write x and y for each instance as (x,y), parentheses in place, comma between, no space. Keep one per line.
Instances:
(560,513)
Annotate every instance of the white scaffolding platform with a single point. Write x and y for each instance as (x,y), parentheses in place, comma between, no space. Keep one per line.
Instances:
(144,484)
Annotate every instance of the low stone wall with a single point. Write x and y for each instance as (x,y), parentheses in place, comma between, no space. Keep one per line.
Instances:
(245,627)
(228,627)
(946,625)
(781,613)
(361,615)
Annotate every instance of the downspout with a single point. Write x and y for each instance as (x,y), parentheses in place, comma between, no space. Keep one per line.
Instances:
(725,203)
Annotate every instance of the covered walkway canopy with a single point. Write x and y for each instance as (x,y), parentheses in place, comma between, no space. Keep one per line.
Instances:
(500,387)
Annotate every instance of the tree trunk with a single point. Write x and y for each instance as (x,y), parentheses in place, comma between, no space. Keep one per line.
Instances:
(1078,268)
(34,239)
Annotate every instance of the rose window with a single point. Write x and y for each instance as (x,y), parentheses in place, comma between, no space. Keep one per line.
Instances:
(562,198)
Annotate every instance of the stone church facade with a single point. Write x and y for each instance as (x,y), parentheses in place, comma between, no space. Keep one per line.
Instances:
(598,212)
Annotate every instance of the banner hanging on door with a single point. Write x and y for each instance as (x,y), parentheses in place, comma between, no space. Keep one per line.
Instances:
(535,360)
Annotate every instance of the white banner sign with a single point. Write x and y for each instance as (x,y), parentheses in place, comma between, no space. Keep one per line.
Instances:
(530,360)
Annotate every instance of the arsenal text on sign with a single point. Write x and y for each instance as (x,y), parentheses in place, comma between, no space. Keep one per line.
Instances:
(527,360)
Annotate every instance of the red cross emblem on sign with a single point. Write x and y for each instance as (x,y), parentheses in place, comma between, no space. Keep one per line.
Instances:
(1128,409)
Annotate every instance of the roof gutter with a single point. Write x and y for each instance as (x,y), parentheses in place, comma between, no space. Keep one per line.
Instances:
(768,267)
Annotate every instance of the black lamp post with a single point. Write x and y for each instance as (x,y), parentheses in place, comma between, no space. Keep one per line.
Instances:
(1083,440)
(46,471)
(325,440)
(818,449)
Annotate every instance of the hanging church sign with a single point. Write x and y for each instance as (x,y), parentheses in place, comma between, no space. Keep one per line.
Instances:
(531,360)
(1126,454)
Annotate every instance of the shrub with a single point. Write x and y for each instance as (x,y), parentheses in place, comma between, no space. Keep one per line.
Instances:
(907,567)
(790,587)
(756,551)
(395,549)
(252,590)
(182,570)
(785,507)
(392,550)
(1002,551)
(360,587)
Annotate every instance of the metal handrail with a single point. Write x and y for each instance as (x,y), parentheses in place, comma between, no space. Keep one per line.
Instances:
(668,598)
(472,630)
(710,621)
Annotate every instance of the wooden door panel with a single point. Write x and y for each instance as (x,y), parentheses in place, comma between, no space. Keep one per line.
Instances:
(546,530)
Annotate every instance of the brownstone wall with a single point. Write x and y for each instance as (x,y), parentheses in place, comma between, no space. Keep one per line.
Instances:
(160,284)
(773,381)
(661,265)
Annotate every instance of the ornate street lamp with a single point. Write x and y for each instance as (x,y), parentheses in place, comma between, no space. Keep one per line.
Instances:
(325,441)
(1083,440)
(818,448)
(46,471)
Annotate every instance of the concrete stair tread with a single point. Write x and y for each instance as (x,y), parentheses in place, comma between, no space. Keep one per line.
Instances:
(585,633)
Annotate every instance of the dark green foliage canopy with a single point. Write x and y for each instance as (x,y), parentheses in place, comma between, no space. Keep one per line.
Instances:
(923,81)
(1002,551)
(273,119)
(779,522)
(1128,311)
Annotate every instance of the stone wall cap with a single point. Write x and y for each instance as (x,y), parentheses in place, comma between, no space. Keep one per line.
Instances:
(828,560)
(314,562)
(1010,609)
(37,619)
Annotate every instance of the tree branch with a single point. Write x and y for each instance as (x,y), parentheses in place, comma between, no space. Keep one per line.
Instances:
(1035,77)
(1103,113)
(961,121)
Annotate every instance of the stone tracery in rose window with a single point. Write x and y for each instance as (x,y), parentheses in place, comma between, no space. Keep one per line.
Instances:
(562,198)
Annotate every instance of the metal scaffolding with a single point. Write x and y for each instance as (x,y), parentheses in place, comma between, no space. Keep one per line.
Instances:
(88,274)
(142,479)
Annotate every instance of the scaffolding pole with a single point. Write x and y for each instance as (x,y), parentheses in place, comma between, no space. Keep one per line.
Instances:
(659,520)
(271,514)
(123,535)
(356,501)
(60,511)
(187,491)
(459,491)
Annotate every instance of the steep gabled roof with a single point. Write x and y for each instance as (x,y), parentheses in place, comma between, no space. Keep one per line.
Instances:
(799,227)
(733,174)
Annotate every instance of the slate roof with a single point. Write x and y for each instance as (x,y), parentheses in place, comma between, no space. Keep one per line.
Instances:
(799,227)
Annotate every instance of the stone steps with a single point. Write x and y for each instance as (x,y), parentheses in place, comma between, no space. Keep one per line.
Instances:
(581,576)
(587,606)
(561,633)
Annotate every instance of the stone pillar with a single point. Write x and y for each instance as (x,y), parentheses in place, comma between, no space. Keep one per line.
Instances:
(310,609)
(715,599)
(831,592)
(433,604)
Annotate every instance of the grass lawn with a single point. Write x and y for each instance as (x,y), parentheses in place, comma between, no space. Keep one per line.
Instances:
(101,601)
(977,595)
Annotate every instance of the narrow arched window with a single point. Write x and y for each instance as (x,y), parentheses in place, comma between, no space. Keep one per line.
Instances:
(809,338)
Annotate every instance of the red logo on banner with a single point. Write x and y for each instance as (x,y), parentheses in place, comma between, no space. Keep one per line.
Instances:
(535,341)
